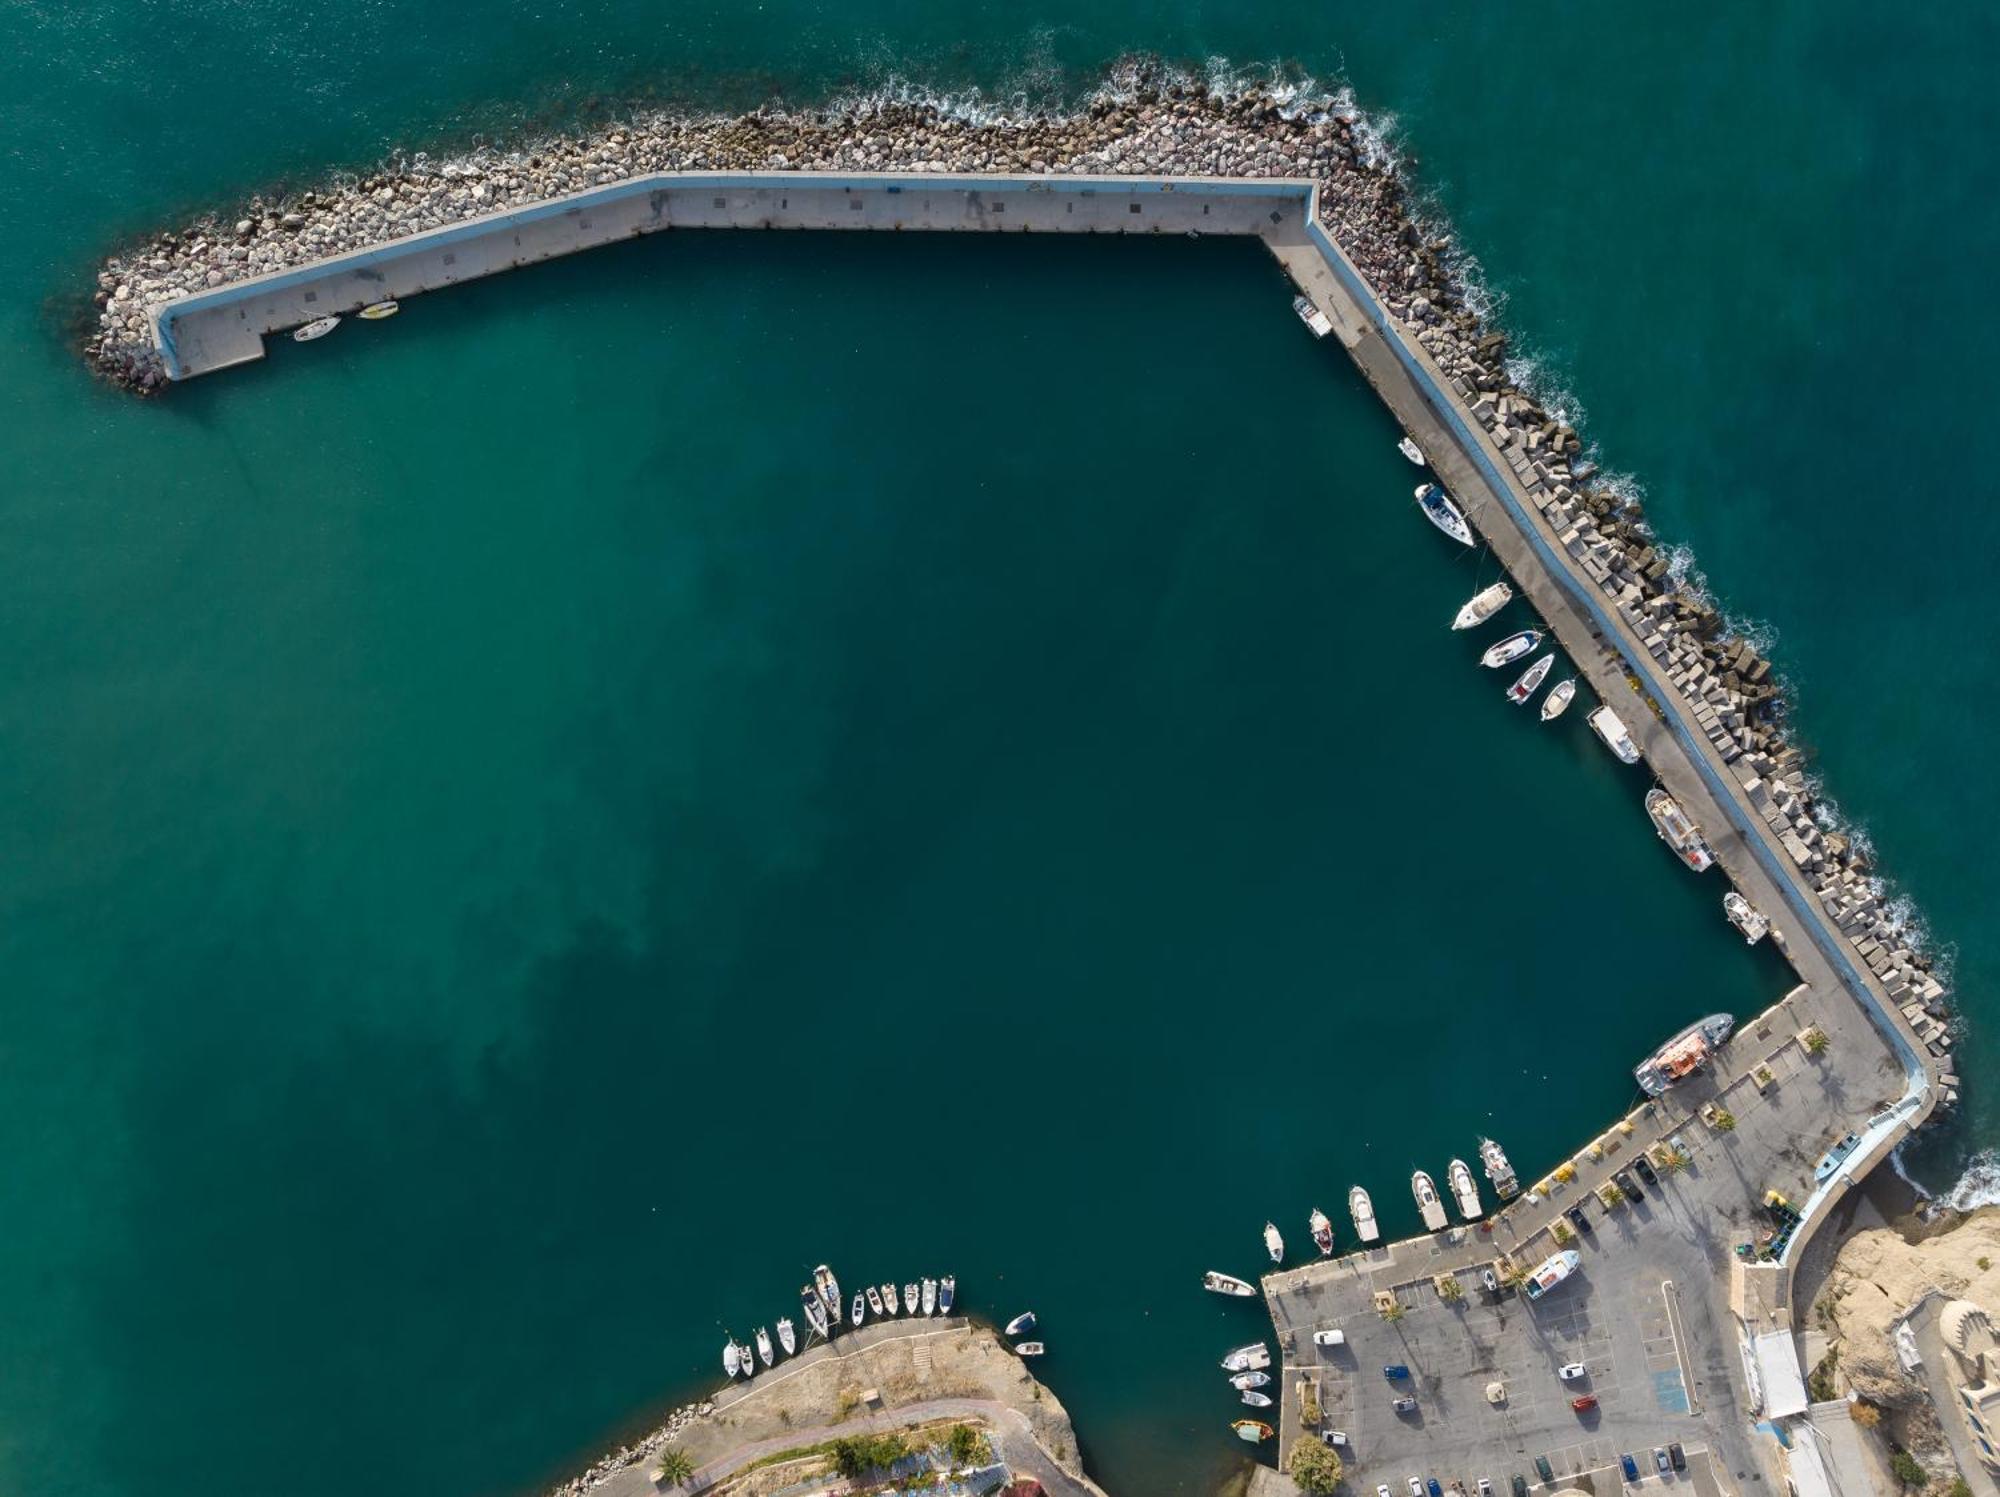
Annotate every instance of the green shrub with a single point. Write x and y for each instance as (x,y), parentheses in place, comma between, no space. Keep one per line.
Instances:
(1315,1467)
(1906,1470)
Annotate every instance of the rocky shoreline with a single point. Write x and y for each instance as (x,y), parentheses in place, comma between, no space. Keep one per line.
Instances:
(1144,121)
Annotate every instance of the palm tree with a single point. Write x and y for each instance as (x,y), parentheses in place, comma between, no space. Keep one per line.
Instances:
(673,1468)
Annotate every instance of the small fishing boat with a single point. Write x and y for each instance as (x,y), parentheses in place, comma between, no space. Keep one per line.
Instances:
(1255,1399)
(1467,1193)
(1441,512)
(947,1292)
(1746,917)
(1029,1349)
(1253,1430)
(875,1302)
(1245,1358)
(731,1363)
(815,1309)
(1556,703)
(1679,833)
(909,1299)
(930,1296)
(859,1313)
(1428,1203)
(1530,680)
(1250,1380)
(1222,1283)
(375,311)
(1363,1211)
(1408,447)
(1322,1231)
(1510,649)
(829,1291)
(747,1359)
(1608,726)
(1499,1170)
(1312,316)
(1021,1324)
(787,1337)
(1482,605)
(764,1352)
(889,1299)
(319,327)
(1274,1244)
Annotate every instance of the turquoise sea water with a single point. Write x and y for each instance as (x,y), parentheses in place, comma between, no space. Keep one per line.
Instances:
(530,826)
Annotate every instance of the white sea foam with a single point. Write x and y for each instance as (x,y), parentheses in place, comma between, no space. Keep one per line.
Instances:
(1979,1185)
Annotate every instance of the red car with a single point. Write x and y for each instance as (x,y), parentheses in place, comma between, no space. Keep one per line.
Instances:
(1584,1404)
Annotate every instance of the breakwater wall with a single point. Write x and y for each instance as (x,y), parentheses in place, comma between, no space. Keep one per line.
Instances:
(201,297)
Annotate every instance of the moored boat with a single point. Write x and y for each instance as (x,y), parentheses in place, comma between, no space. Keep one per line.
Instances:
(788,1338)
(1363,1211)
(1021,1324)
(1510,649)
(829,1291)
(930,1296)
(1556,703)
(1223,1283)
(1550,1272)
(1252,1430)
(764,1352)
(747,1359)
(858,1315)
(319,327)
(1245,1358)
(375,311)
(815,1309)
(1255,1399)
(1274,1242)
(947,1293)
(1677,831)
(1464,1190)
(731,1362)
(889,1299)
(1530,680)
(1322,1232)
(1498,1170)
(1610,727)
(910,1300)
(1029,1349)
(1250,1380)
(1312,316)
(1482,605)
(1428,1203)
(1746,917)
(1683,1055)
(1409,448)
(1441,512)
(875,1302)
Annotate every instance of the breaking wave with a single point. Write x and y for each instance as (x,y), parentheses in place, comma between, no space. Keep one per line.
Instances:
(1979,1185)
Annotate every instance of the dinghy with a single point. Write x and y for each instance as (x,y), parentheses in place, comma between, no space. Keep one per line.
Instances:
(1021,1324)
(1407,447)
(875,1302)
(1255,1399)
(1253,1430)
(376,311)
(1244,1380)
(1028,1349)
(1556,703)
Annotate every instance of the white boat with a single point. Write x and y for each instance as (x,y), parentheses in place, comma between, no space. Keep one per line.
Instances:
(731,1363)
(947,1292)
(787,1337)
(1745,917)
(747,1359)
(1252,1430)
(1408,447)
(1223,1283)
(1363,1211)
(1550,1272)
(1510,649)
(1274,1243)
(1498,1170)
(1441,512)
(1021,1324)
(1556,703)
(1611,728)
(859,1312)
(1427,1201)
(1460,1175)
(1683,1055)
(1312,316)
(1244,1380)
(1530,680)
(829,1292)
(1322,1232)
(875,1302)
(1482,605)
(377,310)
(1247,1358)
(910,1301)
(815,1309)
(930,1296)
(1255,1399)
(1682,835)
(319,327)
(889,1299)
(764,1352)
(1029,1349)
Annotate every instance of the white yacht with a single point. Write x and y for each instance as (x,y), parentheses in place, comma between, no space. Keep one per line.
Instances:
(1441,512)
(1745,917)
(731,1362)
(1551,1272)
(1247,1358)
(1482,605)
(1460,1175)
(1224,1283)
(319,327)
(1530,680)
(1409,448)
(764,1352)
(1556,703)
(930,1296)
(815,1309)
(1611,728)
(1677,831)
(1428,1202)
(1274,1242)
(1312,316)
(1363,1211)
(788,1338)
(1510,649)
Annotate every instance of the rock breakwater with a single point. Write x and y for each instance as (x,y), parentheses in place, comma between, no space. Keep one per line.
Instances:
(1144,122)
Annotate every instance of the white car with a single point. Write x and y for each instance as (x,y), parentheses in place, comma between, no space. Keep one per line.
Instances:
(1416,1487)
(1485,1487)
(1571,1372)
(1334,1437)
(1383,1492)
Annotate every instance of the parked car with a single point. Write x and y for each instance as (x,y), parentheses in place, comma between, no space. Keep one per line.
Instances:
(1395,1372)
(1416,1486)
(1645,1171)
(1583,1403)
(1335,1437)
(1485,1487)
(1404,1406)
(1627,1184)
(1659,1459)
(1631,1467)
(1383,1492)
(1542,1468)
(1569,1372)
(1675,1455)
(1435,1489)
(1578,1220)
(1490,1280)
(1520,1485)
